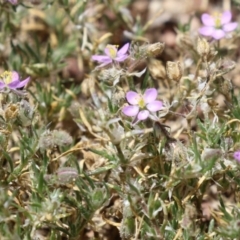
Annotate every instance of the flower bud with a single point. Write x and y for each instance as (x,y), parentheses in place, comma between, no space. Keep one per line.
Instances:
(88,86)
(61,138)
(111,75)
(184,40)
(49,139)
(174,71)
(67,174)
(46,140)
(209,153)
(203,47)
(26,113)
(225,87)
(98,196)
(118,97)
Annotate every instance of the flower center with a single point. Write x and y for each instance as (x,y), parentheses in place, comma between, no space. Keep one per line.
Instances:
(141,103)
(217,19)
(112,50)
(6,77)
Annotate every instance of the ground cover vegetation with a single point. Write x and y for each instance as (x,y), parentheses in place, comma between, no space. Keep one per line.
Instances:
(119,119)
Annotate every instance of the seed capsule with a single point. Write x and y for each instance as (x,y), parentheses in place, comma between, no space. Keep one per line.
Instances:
(155,49)
(203,47)
(11,112)
(174,71)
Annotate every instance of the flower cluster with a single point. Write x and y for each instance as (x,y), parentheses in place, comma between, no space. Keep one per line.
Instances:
(141,106)
(217,25)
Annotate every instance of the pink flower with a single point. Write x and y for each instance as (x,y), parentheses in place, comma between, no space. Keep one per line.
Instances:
(236,155)
(142,106)
(112,54)
(11,80)
(217,25)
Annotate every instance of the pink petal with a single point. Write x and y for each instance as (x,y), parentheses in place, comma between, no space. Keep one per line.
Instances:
(208,20)
(105,63)
(101,58)
(2,85)
(143,115)
(206,31)
(226,17)
(218,34)
(15,76)
(229,27)
(121,58)
(130,111)
(132,97)
(13,84)
(150,95)
(155,106)
(123,50)
(108,52)
(18,84)
(236,155)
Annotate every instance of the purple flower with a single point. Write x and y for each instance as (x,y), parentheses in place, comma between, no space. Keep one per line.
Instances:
(217,25)
(236,155)
(11,80)
(142,106)
(14,2)
(112,54)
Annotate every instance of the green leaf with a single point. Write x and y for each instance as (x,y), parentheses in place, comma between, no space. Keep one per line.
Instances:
(145,81)
(103,154)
